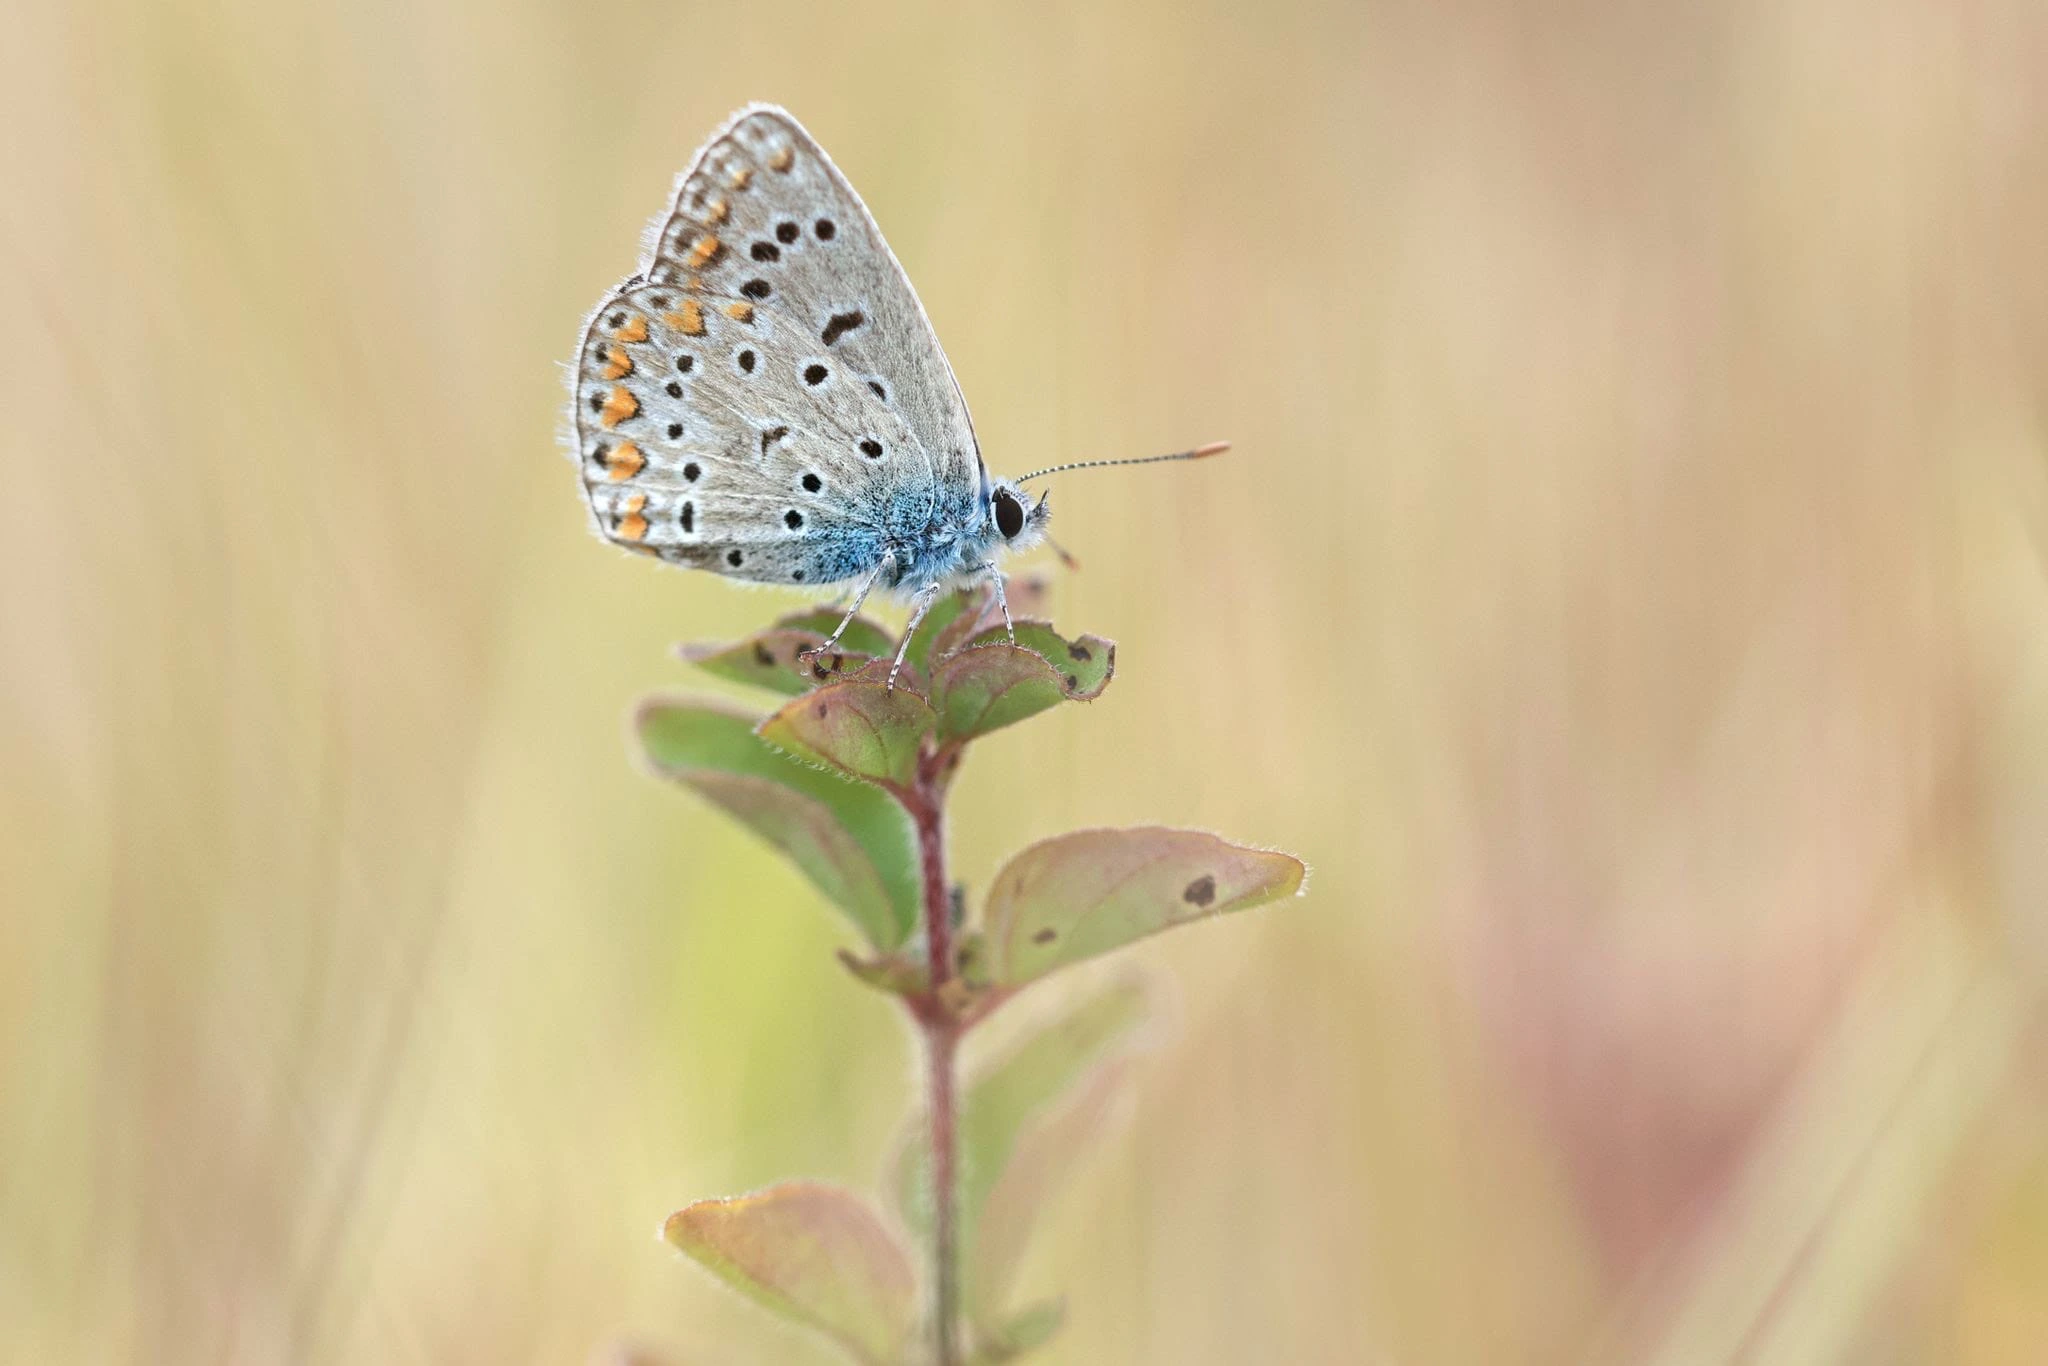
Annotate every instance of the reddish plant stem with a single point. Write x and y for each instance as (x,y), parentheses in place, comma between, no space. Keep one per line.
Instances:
(941,1028)
(939,1044)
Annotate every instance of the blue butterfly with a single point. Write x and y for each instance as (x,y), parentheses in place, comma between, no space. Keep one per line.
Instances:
(766,398)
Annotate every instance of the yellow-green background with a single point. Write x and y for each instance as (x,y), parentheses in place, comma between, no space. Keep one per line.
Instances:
(1627,591)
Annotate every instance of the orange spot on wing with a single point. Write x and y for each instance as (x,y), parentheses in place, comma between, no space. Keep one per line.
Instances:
(617,364)
(618,406)
(740,313)
(633,526)
(624,462)
(704,250)
(783,159)
(635,330)
(688,320)
(741,176)
(715,211)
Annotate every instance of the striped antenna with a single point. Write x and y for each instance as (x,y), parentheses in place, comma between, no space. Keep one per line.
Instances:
(1198,453)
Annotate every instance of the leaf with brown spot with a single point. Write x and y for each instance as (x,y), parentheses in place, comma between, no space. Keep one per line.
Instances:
(1084,665)
(862,636)
(989,683)
(852,842)
(813,1253)
(858,727)
(768,660)
(1097,890)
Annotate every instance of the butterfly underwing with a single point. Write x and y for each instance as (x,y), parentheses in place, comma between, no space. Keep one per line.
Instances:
(766,399)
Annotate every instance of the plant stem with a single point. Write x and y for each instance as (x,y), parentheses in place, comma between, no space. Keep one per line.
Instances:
(939,1042)
(941,1036)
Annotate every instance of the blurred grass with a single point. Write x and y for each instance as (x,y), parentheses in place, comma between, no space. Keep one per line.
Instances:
(1627,591)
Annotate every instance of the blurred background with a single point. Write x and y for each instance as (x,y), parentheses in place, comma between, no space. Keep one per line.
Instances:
(1627,591)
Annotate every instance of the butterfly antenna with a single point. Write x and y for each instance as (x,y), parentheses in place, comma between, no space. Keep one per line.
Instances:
(1066,558)
(1198,453)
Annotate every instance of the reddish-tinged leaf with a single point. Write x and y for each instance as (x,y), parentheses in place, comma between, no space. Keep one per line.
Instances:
(769,660)
(859,728)
(861,637)
(1080,895)
(991,686)
(1084,666)
(812,1253)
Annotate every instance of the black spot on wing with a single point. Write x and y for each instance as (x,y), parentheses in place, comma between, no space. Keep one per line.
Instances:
(839,324)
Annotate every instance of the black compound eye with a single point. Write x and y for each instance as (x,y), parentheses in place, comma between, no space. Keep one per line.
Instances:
(1009,514)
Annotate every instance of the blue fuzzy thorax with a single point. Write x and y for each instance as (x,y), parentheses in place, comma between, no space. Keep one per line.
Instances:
(935,537)
(924,535)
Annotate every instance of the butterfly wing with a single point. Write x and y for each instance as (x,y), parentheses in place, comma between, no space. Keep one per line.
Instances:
(767,398)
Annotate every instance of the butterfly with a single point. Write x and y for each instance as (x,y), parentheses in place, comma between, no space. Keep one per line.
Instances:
(766,398)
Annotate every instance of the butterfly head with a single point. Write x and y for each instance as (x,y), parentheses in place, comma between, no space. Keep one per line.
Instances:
(1019,521)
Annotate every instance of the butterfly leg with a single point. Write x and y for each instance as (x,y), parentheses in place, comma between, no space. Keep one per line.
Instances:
(832,641)
(995,576)
(919,605)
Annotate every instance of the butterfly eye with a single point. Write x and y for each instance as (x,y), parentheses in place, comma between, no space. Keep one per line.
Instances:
(1009,514)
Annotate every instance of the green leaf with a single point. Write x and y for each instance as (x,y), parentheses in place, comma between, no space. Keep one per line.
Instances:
(898,974)
(861,637)
(991,686)
(970,957)
(1036,1106)
(1027,598)
(812,1253)
(853,842)
(768,659)
(988,686)
(858,727)
(1023,1333)
(1079,895)
(1084,666)
(1046,1155)
(963,605)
